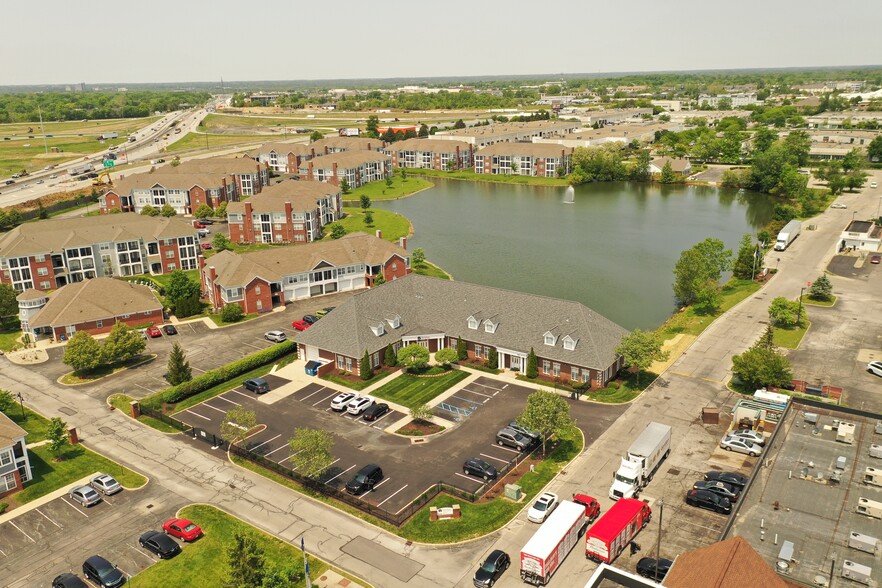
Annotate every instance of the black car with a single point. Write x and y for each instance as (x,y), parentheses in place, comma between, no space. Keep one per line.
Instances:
(93,175)
(82,177)
(170,330)
(256,385)
(68,580)
(310,318)
(365,480)
(736,480)
(648,568)
(492,568)
(708,500)
(478,467)
(160,544)
(375,411)
(723,489)
(102,572)
(10,182)
(206,221)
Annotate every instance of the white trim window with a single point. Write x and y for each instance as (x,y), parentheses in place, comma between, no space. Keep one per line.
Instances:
(5,458)
(7,483)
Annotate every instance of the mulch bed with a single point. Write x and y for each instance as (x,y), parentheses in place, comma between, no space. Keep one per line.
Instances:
(419,428)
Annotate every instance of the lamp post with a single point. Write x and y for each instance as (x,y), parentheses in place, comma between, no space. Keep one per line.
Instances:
(777,261)
(879,209)
(799,312)
(661,509)
(21,403)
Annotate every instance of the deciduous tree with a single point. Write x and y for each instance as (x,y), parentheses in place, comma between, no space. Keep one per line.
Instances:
(311,451)
(220,242)
(759,367)
(232,313)
(784,312)
(203,211)
(421,413)
(149,210)
(414,357)
(56,433)
(667,174)
(316,136)
(236,424)
(703,262)
(546,413)
(82,352)
(640,349)
(246,562)
(345,187)
(418,257)
(446,356)
(8,303)
(168,211)
(123,343)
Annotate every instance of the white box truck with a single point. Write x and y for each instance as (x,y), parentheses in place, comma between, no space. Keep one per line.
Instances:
(554,540)
(643,459)
(787,235)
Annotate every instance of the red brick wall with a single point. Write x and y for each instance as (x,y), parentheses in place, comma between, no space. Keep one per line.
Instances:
(198,197)
(400,270)
(18,485)
(50,275)
(113,200)
(237,232)
(167,260)
(252,296)
(325,354)
(92,327)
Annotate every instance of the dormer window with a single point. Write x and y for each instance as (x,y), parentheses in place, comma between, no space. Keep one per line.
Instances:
(550,338)
(378,329)
(394,322)
(569,343)
(473,323)
(490,326)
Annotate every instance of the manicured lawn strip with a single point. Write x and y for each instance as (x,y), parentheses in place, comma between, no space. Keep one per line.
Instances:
(360,384)
(692,323)
(10,331)
(394,226)
(790,337)
(72,378)
(78,462)
(219,321)
(413,391)
(121,403)
(627,390)
(813,302)
(400,188)
(204,562)
(497,179)
(227,121)
(223,387)
(431,270)
(35,424)
(197,141)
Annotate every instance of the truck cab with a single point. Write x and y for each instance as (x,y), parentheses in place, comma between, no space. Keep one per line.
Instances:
(627,480)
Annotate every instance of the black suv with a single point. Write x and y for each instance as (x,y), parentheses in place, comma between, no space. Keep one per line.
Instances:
(102,572)
(708,500)
(478,467)
(310,318)
(256,385)
(648,568)
(68,580)
(365,480)
(492,568)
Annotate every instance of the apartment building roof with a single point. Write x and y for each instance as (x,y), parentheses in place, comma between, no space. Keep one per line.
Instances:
(216,165)
(428,305)
(624,131)
(9,431)
(348,143)
(285,148)
(301,194)
(54,235)
(95,299)
(235,270)
(30,294)
(732,563)
(428,145)
(678,164)
(346,159)
(526,149)
(170,180)
(509,128)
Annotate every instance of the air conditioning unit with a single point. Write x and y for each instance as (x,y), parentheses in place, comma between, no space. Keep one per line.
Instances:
(857,572)
(863,542)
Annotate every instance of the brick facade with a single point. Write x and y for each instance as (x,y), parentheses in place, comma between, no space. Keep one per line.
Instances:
(154,317)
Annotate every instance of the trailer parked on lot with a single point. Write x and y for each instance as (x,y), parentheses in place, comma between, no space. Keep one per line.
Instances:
(609,536)
(643,459)
(548,546)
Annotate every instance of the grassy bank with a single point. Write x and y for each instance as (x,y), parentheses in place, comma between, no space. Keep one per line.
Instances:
(691,322)
(35,424)
(430,269)
(74,379)
(394,226)
(10,331)
(496,179)
(121,403)
(399,188)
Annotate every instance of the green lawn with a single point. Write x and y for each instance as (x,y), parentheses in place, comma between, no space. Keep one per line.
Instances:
(78,462)
(10,331)
(400,188)
(394,226)
(73,378)
(691,322)
(413,391)
(228,121)
(627,390)
(430,269)
(204,562)
(357,384)
(219,321)
(35,424)
(198,141)
(121,403)
(499,179)
(807,300)
(790,337)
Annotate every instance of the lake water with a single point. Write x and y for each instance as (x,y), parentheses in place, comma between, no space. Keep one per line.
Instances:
(613,248)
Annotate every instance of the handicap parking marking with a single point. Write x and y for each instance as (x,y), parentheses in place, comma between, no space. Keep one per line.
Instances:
(228,400)
(48,519)
(213,407)
(340,474)
(22,532)
(391,495)
(496,458)
(74,507)
(265,442)
(197,414)
(331,395)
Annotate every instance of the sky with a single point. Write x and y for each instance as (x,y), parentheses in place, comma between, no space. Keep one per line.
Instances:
(59,41)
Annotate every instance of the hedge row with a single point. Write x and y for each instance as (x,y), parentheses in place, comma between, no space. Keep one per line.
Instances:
(220,375)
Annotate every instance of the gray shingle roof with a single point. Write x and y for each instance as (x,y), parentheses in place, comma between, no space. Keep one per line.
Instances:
(9,431)
(302,195)
(95,299)
(428,305)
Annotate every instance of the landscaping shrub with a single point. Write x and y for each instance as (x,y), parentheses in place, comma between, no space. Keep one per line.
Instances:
(3,507)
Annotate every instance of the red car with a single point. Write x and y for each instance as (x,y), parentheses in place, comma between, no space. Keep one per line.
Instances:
(206,246)
(876,259)
(198,225)
(182,529)
(154,332)
(301,325)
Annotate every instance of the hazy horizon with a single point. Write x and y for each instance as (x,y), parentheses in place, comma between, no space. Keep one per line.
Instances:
(172,42)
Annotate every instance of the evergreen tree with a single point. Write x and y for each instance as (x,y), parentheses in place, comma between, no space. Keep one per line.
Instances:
(246,562)
(746,264)
(532,365)
(462,350)
(390,358)
(365,201)
(379,279)
(365,369)
(667,174)
(493,359)
(345,187)
(178,367)
(821,289)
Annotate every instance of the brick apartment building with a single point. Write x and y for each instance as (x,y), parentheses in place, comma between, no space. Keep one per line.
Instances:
(249,176)
(572,343)
(426,154)
(524,159)
(290,212)
(93,306)
(357,167)
(15,467)
(484,135)
(261,280)
(48,254)
(331,145)
(283,158)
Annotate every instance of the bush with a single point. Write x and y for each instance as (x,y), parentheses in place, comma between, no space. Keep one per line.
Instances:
(3,507)
(614,385)
(220,375)
(232,313)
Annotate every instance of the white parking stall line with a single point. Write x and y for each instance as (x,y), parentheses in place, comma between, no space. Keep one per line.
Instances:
(486,400)
(48,519)
(265,442)
(144,553)
(466,477)
(240,394)
(151,390)
(340,474)
(307,397)
(201,371)
(228,400)
(277,449)
(74,507)
(3,553)
(290,456)
(197,414)
(325,398)
(384,416)
(22,532)
(250,345)
(478,393)
(496,458)
(105,501)
(495,393)
(506,449)
(213,407)
(393,494)
(381,483)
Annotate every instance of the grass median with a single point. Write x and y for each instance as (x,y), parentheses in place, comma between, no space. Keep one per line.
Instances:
(790,337)
(121,402)
(36,425)
(399,188)
(413,391)
(393,225)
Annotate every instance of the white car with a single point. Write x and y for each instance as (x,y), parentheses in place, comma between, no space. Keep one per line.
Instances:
(105,484)
(875,367)
(838,205)
(277,336)
(873,184)
(731,443)
(751,436)
(359,404)
(341,400)
(543,506)
(53,176)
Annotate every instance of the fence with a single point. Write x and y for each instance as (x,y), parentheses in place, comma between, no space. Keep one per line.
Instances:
(393,518)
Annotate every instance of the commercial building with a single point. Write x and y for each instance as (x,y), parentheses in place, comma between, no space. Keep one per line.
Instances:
(839,120)
(356,167)
(262,280)
(426,154)
(735,100)
(507,132)
(283,158)
(93,306)
(732,562)
(572,343)
(861,235)
(624,133)
(524,159)
(51,253)
(15,468)
(290,212)
(613,116)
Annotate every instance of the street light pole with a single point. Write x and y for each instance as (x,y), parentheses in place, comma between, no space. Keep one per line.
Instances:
(21,403)
(661,510)
(799,312)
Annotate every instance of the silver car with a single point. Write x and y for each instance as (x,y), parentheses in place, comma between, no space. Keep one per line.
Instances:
(277,336)
(730,443)
(508,437)
(524,431)
(85,495)
(748,435)
(105,484)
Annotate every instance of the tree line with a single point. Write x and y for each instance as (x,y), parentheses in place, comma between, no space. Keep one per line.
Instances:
(93,105)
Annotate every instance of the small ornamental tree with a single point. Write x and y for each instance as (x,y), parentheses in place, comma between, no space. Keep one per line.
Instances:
(547,413)
(345,187)
(365,201)
(311,451)
(236,424)
(203,211)
(821,289)
(368,218)
(82,353)
(421,413)
(418,257)
(364,367)
(532,365)
(149,210)
(179,370)
(123,343)
(316,136)
(168,211)
(56,433)
(640,349)
(231,313)
(379,279)
(389,358)
(413,357)
(220,242)
(667,174)
(221,210)
(784,312)
(337,231)
(462,350)
(446,356)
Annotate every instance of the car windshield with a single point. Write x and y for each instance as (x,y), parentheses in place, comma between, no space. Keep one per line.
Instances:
(540,506)
(90,494)
(489,567)
(624,479)
(105,570)
(360,478)
(189,527)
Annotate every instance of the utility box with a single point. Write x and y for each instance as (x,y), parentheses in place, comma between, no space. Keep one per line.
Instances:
(811,418)
(872,476)
(857,572)
(845,432)
(513,492)
(710,415)
(840,463)
(876,451)
(863,542)
(878,428)
(869,508)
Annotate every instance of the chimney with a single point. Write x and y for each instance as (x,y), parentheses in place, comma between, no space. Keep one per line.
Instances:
(201,261)
(402,242)
(379,234)
(212,273)
(336,179)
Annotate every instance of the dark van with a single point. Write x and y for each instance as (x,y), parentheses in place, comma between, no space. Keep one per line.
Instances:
(365,480)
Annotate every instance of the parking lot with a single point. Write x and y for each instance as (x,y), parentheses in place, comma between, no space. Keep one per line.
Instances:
(58,536)
(409,468)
